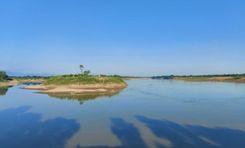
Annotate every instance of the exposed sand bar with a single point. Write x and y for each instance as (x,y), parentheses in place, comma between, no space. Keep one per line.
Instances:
(9,83)
(80,89)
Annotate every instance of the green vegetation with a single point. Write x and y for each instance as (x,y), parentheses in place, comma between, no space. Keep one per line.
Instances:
(3,76)
(3,90)
(83,78)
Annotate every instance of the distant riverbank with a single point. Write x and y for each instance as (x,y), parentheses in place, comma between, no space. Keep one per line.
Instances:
(212,79)
(239,78)
(15,82)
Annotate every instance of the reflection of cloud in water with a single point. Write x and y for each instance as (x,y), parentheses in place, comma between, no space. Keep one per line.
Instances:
(81,97)
(127,133)
(180,136)
(194,136)
(20,128)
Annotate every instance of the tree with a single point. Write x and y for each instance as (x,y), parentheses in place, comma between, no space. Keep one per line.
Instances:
(81,68)
(87,72)
(3,76)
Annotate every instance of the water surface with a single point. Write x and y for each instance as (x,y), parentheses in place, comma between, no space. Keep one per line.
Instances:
(149,113)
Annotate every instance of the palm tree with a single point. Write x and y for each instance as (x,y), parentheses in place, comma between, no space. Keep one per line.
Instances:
(81,68)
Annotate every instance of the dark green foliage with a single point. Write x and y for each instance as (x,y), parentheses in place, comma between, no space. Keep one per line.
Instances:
(3,90)
(81,68)
(163,77)
(87,72)
(3,76)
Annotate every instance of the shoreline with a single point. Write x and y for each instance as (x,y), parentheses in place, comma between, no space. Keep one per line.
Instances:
(15,82)
(230,78)
(78,89)
(211,79)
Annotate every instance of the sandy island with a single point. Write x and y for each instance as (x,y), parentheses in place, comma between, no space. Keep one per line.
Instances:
(78,89)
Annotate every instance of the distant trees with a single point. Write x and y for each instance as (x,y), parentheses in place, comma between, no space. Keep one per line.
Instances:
(3,76)
(163,77)
(235,76)
(86,72)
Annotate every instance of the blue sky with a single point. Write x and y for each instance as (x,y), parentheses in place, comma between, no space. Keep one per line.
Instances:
(128,37)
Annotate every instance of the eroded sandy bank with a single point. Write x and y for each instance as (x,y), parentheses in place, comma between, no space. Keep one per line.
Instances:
(80,89)
(9,83)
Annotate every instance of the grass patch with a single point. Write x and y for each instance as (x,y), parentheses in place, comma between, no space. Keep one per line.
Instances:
(83,79)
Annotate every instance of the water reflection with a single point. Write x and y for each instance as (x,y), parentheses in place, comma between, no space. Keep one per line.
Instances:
(127,133)
(179,135)
(20,128)
(80,97)
(31,83)
(4,90)
(190,113)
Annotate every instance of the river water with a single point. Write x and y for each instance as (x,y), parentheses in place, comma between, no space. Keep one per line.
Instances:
(148,113)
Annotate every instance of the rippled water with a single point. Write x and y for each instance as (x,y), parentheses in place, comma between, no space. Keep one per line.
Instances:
(149,113)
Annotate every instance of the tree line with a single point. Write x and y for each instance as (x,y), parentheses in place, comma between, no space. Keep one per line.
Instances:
(205,76)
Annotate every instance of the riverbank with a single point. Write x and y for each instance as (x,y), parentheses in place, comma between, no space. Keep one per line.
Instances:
(213,79)
(15,82)
(233,78)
